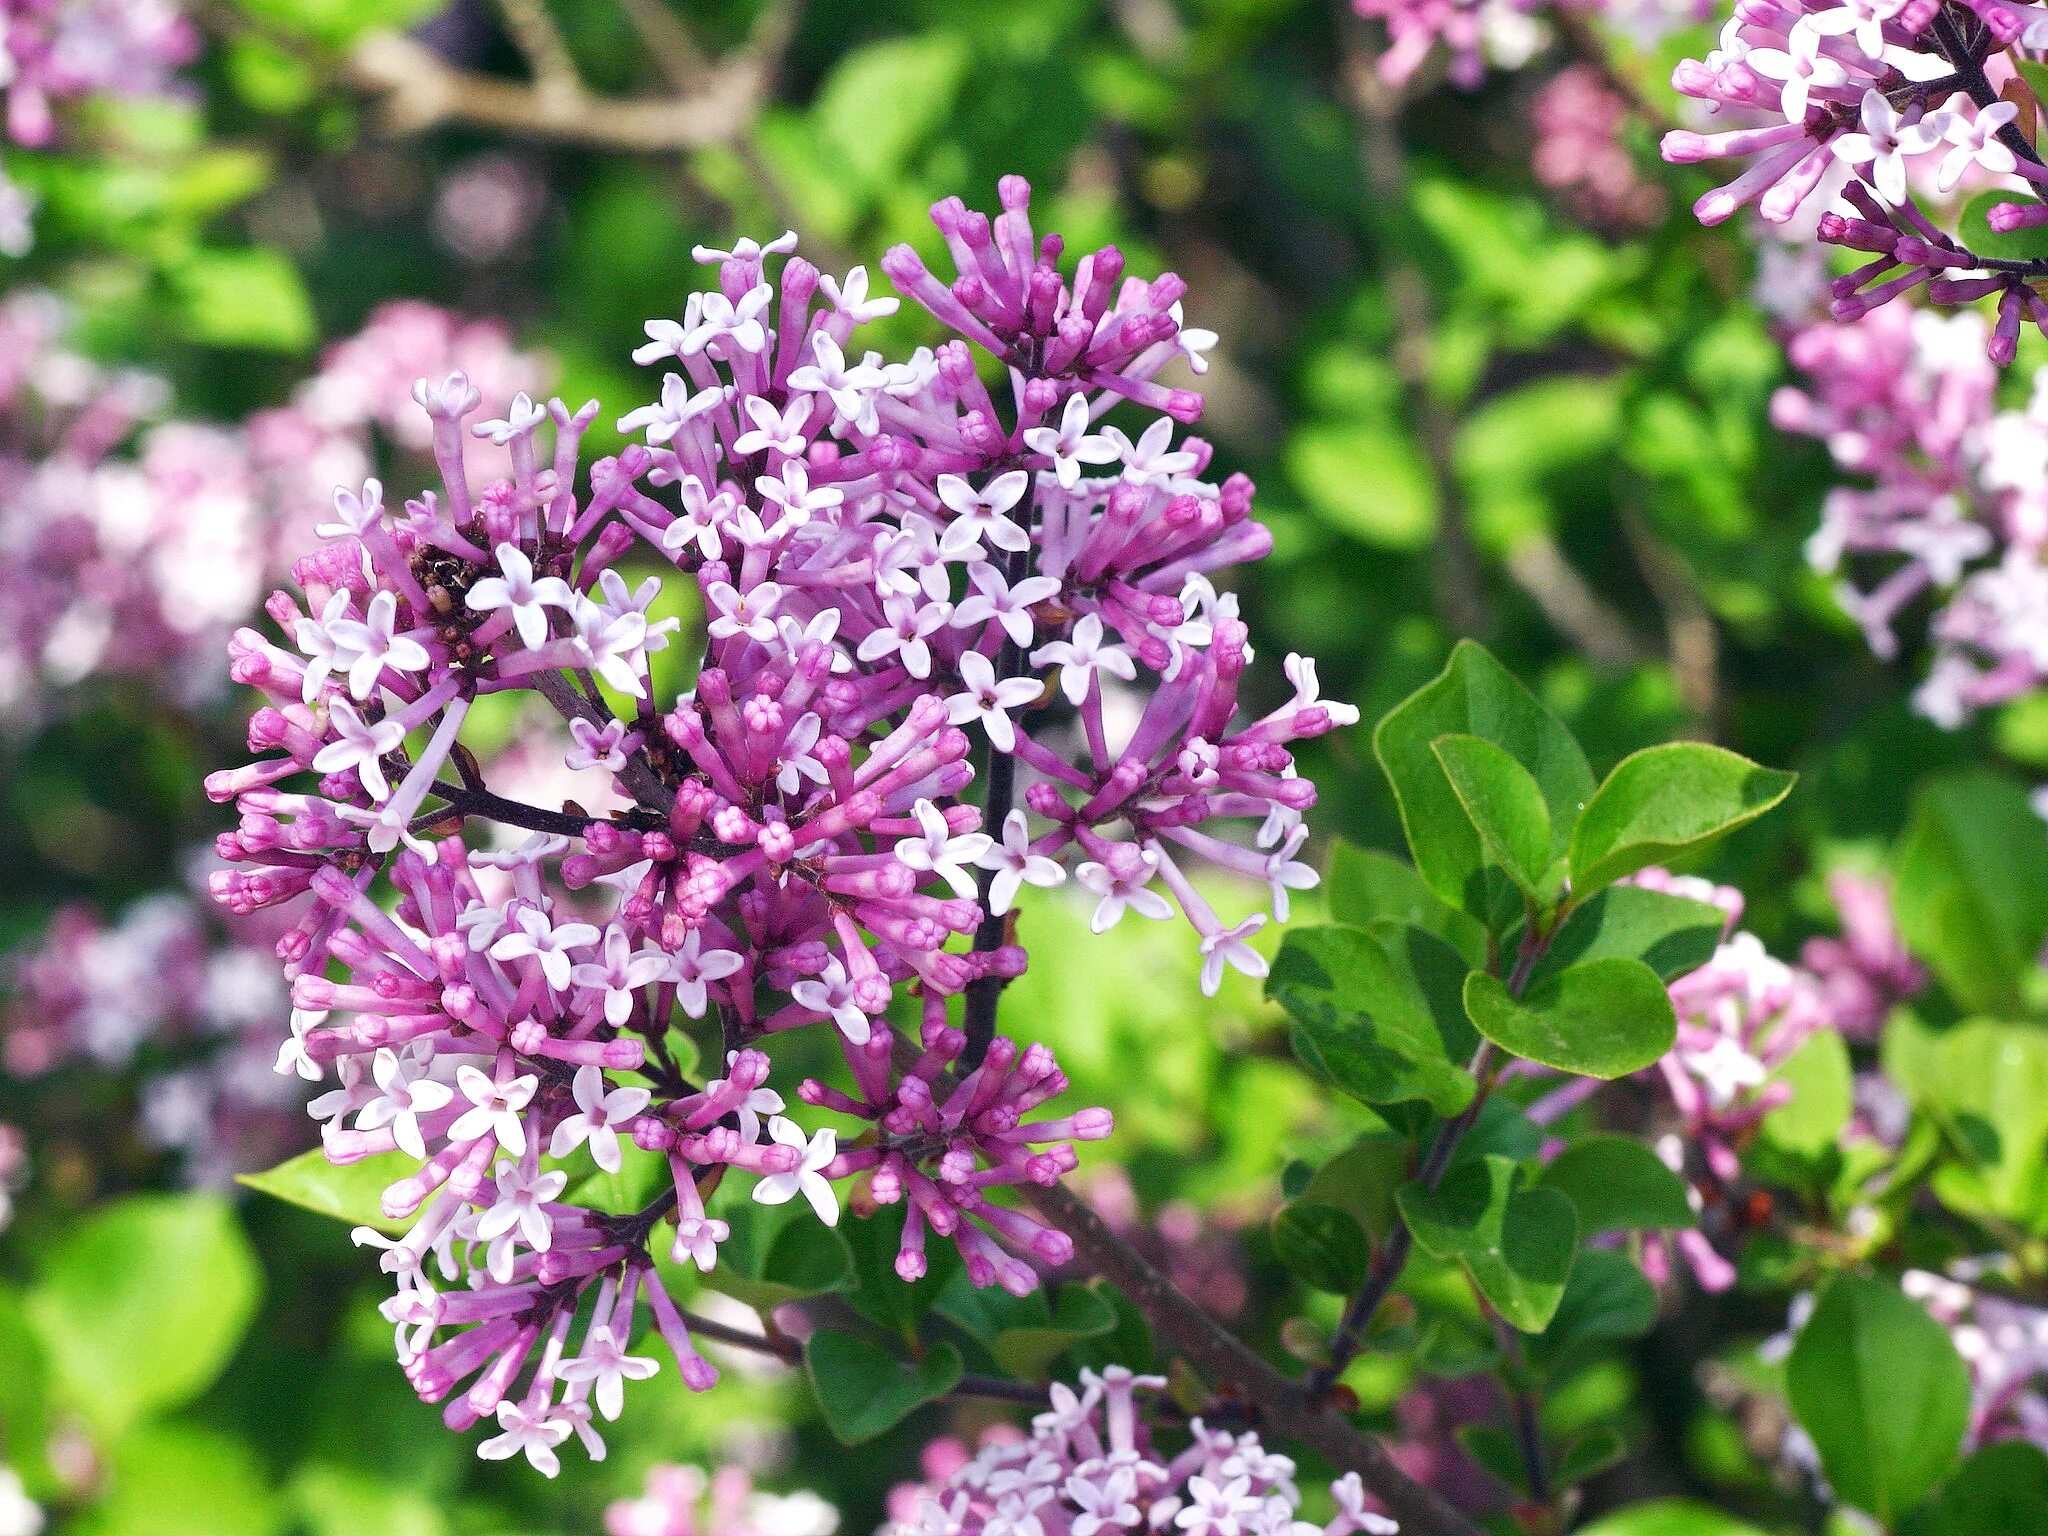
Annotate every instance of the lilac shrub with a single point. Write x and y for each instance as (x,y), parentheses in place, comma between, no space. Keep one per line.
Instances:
(1875,117)
(1089,1465)
(132,545)
(912,589)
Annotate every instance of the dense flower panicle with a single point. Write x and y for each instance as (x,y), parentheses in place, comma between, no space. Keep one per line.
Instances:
(1578,121)
(1741,1016)
(139,560)
(1955,509)
(2004,1342)
(1474,33)
(1090,1466)
(685,1501)
(909,591)
(203,1001)
(56,51)
(1878,111)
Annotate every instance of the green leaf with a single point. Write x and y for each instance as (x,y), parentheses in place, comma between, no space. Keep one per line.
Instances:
(1823,1097)
(777,1254)
(1670,1517)
(1365,887)
(1362,1179)
(177,1479)
(242,298)
(1497,1452)
(863,1390)
(1973,228)
(1505,806)
(1606,1298)
(642,1175)
(2000,1491)
(1665,801)
(1078,1312)
(1364,479)
(1589,1455)
(1322,1246)
(883,102)
(1971,887)
(1475,696)
(1365,1020)
(349,1192)
(1670,934)
(1988,1084)
(1879,1386)
(337,23)
(1601,1018)
(140,1304)
(1516,1244)
(1617,1184)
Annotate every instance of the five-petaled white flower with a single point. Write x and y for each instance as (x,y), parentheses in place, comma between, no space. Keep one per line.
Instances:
(620,972)
(405,1092)
(799,499)
(938,851)
(851,389)
(516,588)
(1801,66)
(805,1178)
(1082,656)
(596,746)
(521,1206)
(319,641)
(534,933)
(599,1115)
(1071,444)
(691,966)
(521,418)
(1283,873)
(678,406)
(978,516)
(1104,1497)
(533,1433)
(714,321)
(750,613)
(744,249)
(1152,458)
(697,1240)
(995,599)
(782,431)
(372,645)
(1862,19)
(905,624)
(1885,142)
(989,701)
(830,992)
(354,515)
(1228,946)
(361,747)
(1350,1495)
(1192,342)
(849,296)
(1976,140)
(1015,864)
(1118,891)
(604,1363)
(494,1106)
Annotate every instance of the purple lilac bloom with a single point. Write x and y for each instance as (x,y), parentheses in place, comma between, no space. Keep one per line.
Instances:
(1881,113)
(905,582)
(1741,1017)
(1955,509)
(132,548)
(54,51)
(685,1501)
(1090,1465)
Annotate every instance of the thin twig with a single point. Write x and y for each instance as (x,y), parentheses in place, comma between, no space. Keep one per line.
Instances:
(539,41)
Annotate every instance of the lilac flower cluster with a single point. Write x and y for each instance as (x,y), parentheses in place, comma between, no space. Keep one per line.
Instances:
(139,563)
(1476,35)
(1884,109)
(1090,1466)
(1578,119)
(2004,1342)
(57,51)
(1956,508)
(685,1501)
(202,1001)
(899,575)
(1741,1017)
